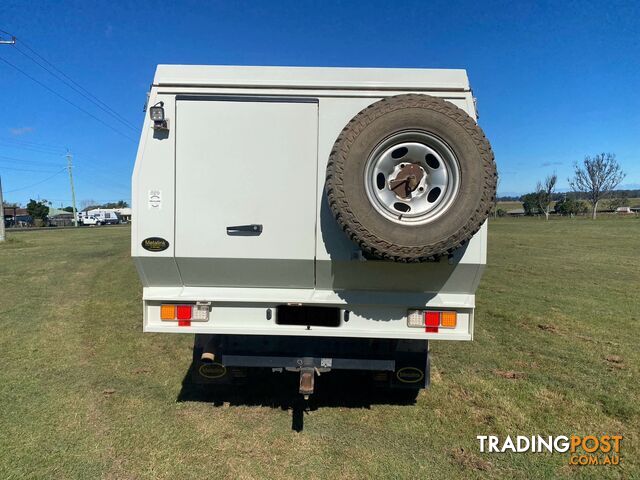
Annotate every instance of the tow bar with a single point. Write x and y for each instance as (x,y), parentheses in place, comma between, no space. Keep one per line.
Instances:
(307,367)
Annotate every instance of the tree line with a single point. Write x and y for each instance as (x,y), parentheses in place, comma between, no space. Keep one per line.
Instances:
(593,180)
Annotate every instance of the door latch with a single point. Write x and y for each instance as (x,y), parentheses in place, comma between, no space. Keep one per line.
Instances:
(245,230)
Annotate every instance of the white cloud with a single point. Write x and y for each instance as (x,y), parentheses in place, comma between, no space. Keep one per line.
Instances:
(16,132)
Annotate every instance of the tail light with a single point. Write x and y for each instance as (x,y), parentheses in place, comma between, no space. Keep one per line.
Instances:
(432,320)
(449,319)
(167,312)
(185,313)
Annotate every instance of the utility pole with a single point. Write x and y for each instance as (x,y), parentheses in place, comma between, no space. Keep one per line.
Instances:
(73,192)
(1,213)
(11,41)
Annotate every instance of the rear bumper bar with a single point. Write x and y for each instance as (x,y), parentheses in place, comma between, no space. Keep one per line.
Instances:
(308,362)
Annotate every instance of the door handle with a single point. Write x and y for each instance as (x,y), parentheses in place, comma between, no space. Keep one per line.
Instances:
(252,230)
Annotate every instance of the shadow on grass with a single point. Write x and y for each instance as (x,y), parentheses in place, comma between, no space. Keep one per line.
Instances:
(262,388)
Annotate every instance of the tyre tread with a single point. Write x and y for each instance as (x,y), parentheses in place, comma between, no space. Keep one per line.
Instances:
(358,232)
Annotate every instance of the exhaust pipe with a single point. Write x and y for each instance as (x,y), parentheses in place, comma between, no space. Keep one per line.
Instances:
(207,357)
(209,350)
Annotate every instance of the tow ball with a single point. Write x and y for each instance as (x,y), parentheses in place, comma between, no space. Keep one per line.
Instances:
(307,381)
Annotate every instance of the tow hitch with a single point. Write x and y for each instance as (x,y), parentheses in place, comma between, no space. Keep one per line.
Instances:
(402,365)
(307,367)
(307,381)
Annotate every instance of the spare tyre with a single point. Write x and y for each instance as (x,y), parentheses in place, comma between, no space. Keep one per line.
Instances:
(410,178)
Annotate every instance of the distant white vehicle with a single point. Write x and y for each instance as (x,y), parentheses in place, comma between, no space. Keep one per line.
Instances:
(98,217)
(90,220)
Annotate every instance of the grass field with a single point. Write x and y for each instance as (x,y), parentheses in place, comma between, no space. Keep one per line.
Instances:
(84,394)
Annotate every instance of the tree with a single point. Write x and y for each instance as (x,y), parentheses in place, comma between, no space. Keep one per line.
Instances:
(88,204)
(530,204)
(92,204)
(544,193)
(38,210)
(68,209)
(620,200)
(570,206)
(597,176)
(118,204)
(495,198)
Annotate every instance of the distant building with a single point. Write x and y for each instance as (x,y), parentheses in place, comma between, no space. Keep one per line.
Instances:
(17,217)
(60,218)
(516,212)
(624,210)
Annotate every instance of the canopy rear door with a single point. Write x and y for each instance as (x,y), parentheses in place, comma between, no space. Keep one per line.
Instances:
(246,191)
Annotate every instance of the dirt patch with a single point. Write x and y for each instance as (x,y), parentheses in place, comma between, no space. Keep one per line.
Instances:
(510,374)
(108,391)
(469,460)
(613,358)
(548,328)
(615,361)
(589,339)
(139,371)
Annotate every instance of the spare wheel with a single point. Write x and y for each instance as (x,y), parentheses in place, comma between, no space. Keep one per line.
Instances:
(410,178)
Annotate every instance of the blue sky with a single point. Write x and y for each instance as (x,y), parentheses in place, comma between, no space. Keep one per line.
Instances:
(555,81)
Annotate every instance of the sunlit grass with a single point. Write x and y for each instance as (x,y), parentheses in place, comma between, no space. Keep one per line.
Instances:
(84,394)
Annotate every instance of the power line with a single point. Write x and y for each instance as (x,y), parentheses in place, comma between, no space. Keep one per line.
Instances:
(70,83)
(66,99)
(77,88)
(30,149)
(25,170)
(35,144)
(37,183)
(78,85)
(3,159)
(92,171)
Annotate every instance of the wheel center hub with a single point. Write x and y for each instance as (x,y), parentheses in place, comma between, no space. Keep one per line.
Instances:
(406,180)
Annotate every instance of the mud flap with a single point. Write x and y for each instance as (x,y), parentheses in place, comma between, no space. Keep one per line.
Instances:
(212,371)
(412,372)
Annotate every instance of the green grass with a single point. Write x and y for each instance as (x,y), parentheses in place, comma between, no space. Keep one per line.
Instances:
(84,394)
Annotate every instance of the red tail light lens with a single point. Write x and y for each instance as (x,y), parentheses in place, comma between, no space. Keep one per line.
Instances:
(431,321)
(183,312)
